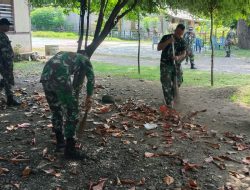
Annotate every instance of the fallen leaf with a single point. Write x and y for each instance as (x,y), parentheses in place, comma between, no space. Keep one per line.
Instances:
(246,160)
(52,172)
(18,160)
(103,109)
(10,128)
(99,185)
(130,182)
(241,147)
(192,184)
(237,138)
(23,125)
(237,175)
(168,180)
(26,172)
(229,159)
(188,166)
(50,125)
(118,135)
(222,166)
(214,145)
(209,159)
(45,152)
(16,185)
(3,170)
(126,142)
(149,155)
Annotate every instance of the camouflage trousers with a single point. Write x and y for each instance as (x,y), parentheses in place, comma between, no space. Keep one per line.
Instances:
(190,55)
(63,104)
(6,70)
(227,48)
(168,74)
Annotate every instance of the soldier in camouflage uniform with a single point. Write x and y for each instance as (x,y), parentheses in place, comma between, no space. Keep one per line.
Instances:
(189,38)
(62,95)
(6,63)
(167,68)
(230,40)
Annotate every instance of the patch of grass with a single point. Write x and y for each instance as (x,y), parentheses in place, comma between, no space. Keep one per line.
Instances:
(242,95)
(191,77)
(72,35)
(29,67)
(235,52)
(51,34)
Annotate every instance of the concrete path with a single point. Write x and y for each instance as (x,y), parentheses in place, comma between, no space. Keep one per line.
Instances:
(125,53)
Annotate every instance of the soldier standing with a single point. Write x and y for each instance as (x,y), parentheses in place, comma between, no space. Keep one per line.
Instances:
(62,95)
(189,38)
(230,40)
(6,63)
(167,67)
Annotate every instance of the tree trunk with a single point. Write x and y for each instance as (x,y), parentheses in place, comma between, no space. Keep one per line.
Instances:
(87,29)
(102,32)
(139,45)
(212,48)
(243,33)
(81,25)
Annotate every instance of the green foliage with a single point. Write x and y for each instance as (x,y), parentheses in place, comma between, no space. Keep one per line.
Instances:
(48,18)
(150,22)
(51,34)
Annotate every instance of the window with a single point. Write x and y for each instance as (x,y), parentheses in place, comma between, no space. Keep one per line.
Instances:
(6,11)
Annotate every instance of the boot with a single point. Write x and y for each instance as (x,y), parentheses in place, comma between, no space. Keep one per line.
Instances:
(60,142)
(228,54)
(12,102)
(70,151)
(1,85)
(193,67)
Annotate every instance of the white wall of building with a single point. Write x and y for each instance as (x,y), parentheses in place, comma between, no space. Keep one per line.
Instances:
(22,29)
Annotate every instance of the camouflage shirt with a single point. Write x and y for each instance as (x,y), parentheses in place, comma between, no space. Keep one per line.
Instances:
(189,38)
(231,35)
(6,51)
(167,53)
(63,65)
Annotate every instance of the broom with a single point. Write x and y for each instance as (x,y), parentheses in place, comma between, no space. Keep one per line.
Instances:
(176,87)
(82,124)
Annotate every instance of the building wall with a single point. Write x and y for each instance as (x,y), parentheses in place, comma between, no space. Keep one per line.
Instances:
(22,29)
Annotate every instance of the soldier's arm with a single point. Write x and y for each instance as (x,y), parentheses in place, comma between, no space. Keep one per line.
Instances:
(4,50)
(182,56)
(90,78)
(165,41)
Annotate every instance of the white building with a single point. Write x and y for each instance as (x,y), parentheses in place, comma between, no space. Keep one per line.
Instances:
(18,13)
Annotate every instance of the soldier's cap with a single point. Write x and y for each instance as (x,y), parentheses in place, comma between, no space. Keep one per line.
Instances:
(5,21)
(190,28)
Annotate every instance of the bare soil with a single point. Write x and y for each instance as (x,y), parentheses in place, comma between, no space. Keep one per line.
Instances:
(198,150)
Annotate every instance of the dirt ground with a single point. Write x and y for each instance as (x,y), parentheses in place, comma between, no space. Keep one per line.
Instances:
(208,150)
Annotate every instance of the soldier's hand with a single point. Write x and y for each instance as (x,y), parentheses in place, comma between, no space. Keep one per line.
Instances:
(176,58)
(171,40)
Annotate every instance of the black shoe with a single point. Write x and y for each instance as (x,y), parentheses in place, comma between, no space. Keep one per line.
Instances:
(60,142)
(12,102)
(70,151)
(193,67)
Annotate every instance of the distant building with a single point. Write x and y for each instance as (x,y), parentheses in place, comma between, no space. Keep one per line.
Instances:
(18,13)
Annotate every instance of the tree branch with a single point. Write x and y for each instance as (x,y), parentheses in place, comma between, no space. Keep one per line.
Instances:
(100,19)
(127,11)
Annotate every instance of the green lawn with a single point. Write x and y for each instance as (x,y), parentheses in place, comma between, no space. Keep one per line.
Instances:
(235,52)
(70,35)
(193,78)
